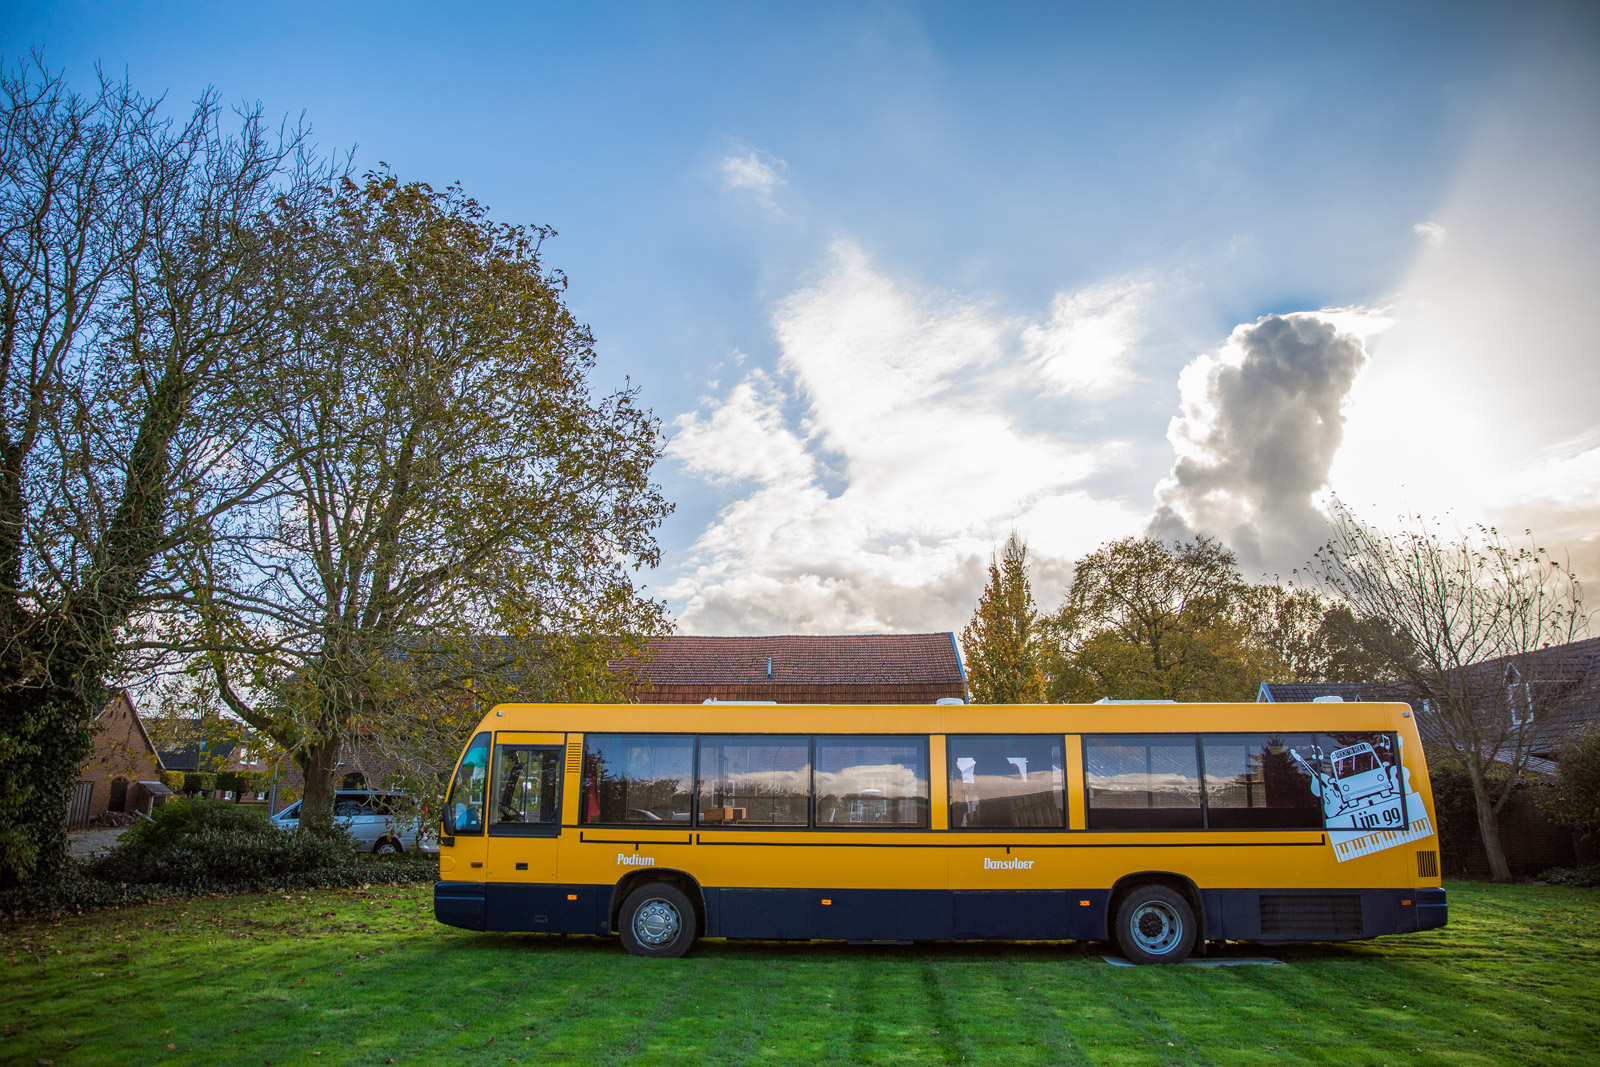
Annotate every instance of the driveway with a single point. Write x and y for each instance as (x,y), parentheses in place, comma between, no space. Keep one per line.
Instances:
(85,844)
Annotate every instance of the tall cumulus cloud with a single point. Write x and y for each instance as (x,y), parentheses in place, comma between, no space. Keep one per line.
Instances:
(1262,420)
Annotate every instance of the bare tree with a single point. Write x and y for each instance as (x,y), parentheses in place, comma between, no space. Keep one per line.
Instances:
(1467,617)
(137,305)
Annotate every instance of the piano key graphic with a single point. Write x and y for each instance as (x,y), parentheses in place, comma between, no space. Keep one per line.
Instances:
(1364,844)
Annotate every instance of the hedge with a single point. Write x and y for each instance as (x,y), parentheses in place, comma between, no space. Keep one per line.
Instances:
(193,846)
(79,891)
(173,780)
(236,782)
(199,781)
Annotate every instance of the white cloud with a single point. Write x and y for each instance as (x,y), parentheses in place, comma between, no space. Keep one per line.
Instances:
(1431,232)
(754,173)
(1262,421)
(909,464)
(1087,345)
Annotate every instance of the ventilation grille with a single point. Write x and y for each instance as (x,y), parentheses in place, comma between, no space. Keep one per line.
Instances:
(1427,864)
(1311,916)
(574,757)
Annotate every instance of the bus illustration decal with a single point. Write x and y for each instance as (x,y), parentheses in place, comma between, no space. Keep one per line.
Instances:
(1366,794)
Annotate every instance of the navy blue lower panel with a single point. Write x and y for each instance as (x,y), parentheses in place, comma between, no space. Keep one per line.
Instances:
(1030,915)
(556,909)
(775,914)
(1281,916)
(881,914)
(1268,915)
(459,904)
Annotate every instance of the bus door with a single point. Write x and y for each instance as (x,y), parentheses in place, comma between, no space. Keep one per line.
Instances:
(524,809)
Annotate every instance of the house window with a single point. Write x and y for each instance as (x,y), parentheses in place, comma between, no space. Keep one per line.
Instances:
(1519,699)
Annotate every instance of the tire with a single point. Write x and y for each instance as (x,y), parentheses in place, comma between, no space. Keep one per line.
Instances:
(658,921)
(387,844)
(1155,925)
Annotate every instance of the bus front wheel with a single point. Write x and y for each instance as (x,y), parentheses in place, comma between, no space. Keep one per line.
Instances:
(658,920)
(1155,925)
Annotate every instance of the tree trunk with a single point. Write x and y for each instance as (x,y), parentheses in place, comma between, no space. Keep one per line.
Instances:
(1489,832)
(318,762)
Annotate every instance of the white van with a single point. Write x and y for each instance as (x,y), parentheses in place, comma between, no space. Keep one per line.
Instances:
(368,818)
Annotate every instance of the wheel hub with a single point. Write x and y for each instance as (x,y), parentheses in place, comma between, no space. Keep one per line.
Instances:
(656,923)
(1157,927)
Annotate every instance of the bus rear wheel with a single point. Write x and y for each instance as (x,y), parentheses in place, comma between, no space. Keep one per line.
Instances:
(658,921)
(1155,925)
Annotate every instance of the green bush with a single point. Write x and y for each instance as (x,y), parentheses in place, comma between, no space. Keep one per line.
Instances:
(199,782)
(78,891)
(1575,800)
(236,782)
(173,780)
(202,842)
(1581,877)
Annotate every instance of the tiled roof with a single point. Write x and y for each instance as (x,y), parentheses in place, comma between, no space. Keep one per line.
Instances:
(1305,692)
(845,659)
(1565,681)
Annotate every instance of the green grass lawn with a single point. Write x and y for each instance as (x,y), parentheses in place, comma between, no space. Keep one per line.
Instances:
(367,977)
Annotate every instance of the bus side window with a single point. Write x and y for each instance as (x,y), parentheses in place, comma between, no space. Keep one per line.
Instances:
(1143,782)
(1001,780)
(1261,782)
(637,778)
(871,781)
(464,811)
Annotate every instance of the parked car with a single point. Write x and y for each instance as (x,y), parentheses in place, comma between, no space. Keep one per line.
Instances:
(370,819)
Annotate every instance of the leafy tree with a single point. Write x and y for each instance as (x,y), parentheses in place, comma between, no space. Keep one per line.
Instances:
(1466,619)
(1001,645)
(1144,620)
(1306,638)
(470,535)
(1575,799)
(136,298)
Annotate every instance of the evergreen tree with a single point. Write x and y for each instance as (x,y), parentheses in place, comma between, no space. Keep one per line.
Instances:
(1001,643)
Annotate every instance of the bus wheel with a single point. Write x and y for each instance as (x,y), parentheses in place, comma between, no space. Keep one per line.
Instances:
(1155,925)
(658,920)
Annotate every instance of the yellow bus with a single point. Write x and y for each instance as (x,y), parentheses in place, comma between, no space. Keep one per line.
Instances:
(1160,827)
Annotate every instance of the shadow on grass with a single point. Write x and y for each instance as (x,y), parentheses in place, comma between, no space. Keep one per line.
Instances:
(743,950)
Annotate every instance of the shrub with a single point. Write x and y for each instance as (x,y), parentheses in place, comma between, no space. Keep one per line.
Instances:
(173,780)
(199,782)
(1582,877)
(236,782)
(1575,799)
(207,842)
(1453,803)
(77,891)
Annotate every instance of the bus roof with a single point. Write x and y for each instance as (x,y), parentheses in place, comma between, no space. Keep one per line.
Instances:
(949,719)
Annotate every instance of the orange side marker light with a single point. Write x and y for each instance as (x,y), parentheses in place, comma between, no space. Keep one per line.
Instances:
(826,901)
(1083,903)
(572,896)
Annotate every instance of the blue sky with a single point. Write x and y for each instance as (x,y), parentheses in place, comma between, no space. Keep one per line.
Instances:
(901,277)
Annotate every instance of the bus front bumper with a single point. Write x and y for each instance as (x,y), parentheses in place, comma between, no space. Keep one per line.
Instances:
(459,904)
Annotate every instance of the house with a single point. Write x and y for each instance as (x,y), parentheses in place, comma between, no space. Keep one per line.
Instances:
(1554,692)
(1550,695)
(789,669)
(123,770)
(834,669)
